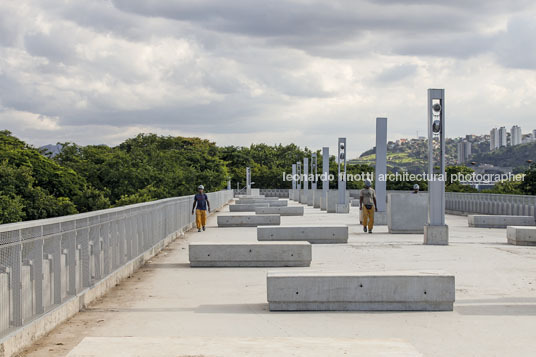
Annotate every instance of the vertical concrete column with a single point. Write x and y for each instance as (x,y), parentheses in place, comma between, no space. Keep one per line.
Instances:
(381,163)
(314,172)
(325,177)
(341,179)
(305,174)
(293,176)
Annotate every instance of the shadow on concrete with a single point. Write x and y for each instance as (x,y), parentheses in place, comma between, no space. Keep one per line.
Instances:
(167,266)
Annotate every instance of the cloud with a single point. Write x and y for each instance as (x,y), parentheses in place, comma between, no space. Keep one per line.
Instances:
(303,71)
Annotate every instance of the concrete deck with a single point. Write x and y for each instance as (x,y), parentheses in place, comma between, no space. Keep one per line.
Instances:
(494,313)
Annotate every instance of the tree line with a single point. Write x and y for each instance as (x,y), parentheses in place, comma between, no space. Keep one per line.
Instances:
(35,184)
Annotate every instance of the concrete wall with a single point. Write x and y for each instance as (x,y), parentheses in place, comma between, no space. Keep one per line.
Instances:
(407,212)
(258,254)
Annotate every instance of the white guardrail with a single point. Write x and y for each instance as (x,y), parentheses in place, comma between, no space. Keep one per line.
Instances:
(44,263)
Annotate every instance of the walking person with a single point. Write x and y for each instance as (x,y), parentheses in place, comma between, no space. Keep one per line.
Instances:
(367,204)
(200,206)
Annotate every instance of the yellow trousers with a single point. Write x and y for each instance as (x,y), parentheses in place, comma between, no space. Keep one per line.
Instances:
(200,218)
(368,217)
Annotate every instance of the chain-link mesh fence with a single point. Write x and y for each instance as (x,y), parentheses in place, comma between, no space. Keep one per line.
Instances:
(43,263)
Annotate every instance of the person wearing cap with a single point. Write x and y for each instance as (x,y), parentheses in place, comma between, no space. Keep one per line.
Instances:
(200,206)
(416,188)
(367,204)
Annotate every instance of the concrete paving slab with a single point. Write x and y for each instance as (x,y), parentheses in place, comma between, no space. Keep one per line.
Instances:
(494,314)
(241,347)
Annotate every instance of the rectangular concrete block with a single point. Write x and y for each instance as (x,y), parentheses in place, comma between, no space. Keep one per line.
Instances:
(407,212)
(250,196)
(333,202)
(249,220)
(312,234)
(279,203)
(258,254)
(342,208)
(316,198)
(436,235)
(400,291)
(499,221)
(247,207)
(283,211)
(310,197)
(521,235)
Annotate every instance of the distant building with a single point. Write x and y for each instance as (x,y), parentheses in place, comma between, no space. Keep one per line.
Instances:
(464,151)
(528,138)
(515,135)
(502,137)
(494,139)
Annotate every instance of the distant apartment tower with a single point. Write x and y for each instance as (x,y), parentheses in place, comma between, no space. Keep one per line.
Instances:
(464,151)
(503,137)
(515,135)
(493,139)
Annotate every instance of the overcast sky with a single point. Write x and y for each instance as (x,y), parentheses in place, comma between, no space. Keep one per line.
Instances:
(280,71)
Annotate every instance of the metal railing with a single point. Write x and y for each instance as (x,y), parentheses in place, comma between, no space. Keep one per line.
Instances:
(45,262)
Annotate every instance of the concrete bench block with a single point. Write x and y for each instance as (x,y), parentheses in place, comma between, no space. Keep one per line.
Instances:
(407,212)
(247,207)
(410,291)
(314,234)
(492,221)
(354,203)
(519,235)
(249,221)
(283,211)
(251,196)
(258,254)
(280,203)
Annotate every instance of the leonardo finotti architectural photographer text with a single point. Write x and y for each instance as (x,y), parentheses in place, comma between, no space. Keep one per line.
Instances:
(405,176)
